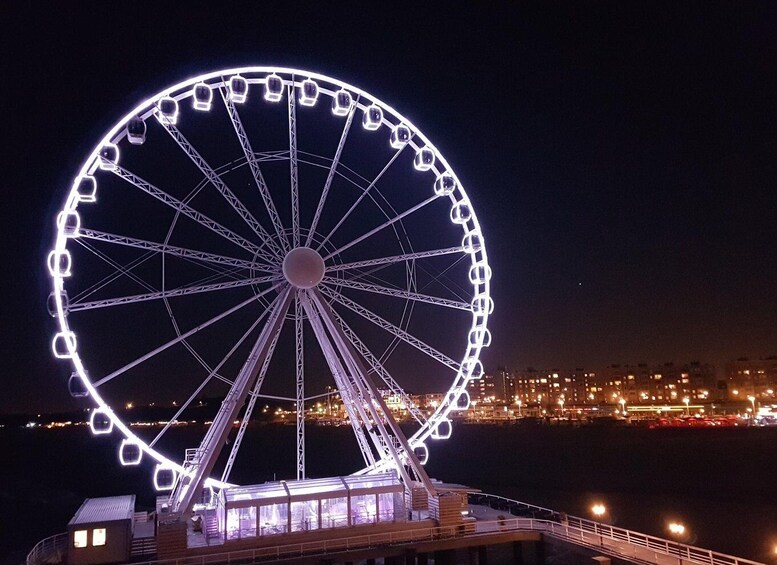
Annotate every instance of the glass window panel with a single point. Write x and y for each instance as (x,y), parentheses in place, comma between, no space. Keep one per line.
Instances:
(363,509)
(98,536)
(273,519)
(386,507)
(304,515)
(80,538)
(248,522)
(233,523)
(334,512)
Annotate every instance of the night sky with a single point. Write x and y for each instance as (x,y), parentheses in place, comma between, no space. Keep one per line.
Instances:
(622,157)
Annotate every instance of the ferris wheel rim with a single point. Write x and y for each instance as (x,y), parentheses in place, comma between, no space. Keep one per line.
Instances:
(118,132)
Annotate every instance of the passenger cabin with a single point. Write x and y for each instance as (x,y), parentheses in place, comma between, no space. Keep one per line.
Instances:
(101,531)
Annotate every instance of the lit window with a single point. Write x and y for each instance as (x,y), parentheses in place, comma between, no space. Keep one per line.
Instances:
(98,536)
(79,538)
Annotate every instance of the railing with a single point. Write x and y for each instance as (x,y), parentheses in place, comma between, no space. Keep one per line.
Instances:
(635,546)
(619,541)
(49,550)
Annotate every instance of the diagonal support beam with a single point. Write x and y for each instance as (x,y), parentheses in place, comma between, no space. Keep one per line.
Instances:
(200,465)
(399,293)
(384,421)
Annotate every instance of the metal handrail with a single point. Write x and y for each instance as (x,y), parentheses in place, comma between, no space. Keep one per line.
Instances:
(576,529)
(47,548)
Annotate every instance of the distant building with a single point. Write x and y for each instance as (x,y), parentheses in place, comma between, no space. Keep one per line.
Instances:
(752,377)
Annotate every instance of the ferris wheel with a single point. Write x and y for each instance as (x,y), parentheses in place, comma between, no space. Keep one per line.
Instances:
(265,233)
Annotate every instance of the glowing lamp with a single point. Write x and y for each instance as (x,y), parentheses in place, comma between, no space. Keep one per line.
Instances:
(202,96)
(238,89)
(86,189)
(76,386)
(100,422)
(424,159)
(342,102)
(109,157)
(64,345)
(130,452)
(308,95)
(442,430)
(167,110)
(164,477)
(400,135)
(273,88)
(373,117)
(136,131)
(59,263)
(461,212)
(69,223)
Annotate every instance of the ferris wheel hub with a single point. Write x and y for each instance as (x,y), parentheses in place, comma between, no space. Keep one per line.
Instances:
(303,267)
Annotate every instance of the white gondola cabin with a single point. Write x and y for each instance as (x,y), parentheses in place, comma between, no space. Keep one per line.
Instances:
(308,95)
(109,157)
(424,159)
(342,102)
(373,117)
(238,89)
(400,135)
(273,88)
(167,110)
(76,386)
(136,131)
(86,189)
(202,97)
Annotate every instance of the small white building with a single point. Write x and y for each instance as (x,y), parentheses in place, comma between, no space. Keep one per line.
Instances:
(101,531)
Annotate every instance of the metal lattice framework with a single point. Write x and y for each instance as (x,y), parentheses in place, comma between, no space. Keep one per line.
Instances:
(316,254)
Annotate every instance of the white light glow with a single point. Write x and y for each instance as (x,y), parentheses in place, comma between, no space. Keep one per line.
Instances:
(400,135)
(80,538)
(59,263)
(479,274)
(238,89)
(64,345)
(167,110)
(373,117)
(424,159)
(461,212)
(202,96)
(676,528)
(598,510)
(98,537)
(472,242)
(69,223)
(100,422)
(109,157)
(130,452)
(482,304)
(86,189)
(273,88)
(421,452)
(308,95)
(136,131)
(164,477)
(443,429)
(342,102)
(76,386)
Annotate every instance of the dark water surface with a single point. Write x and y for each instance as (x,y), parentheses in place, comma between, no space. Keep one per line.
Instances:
(721,483)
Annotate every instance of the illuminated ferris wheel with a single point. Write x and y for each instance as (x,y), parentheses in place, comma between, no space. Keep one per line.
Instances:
(265,233)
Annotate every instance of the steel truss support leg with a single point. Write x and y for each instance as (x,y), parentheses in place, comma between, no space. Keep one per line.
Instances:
(390,430)
(200,464)
(353,403)
(300,389)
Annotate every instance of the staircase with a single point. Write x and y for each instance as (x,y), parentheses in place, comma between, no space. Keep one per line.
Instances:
(212,533)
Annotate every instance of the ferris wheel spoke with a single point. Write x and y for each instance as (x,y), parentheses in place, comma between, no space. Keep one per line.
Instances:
(253,163)
(331,175)
(293,164)
(379,369)
(381,227)
(399,293)
(390,328)
(219,184)
(168,249)
(193,214)
(352,400)
(395,259)
(184,336)
(361,196)
(250,408)
(121,300)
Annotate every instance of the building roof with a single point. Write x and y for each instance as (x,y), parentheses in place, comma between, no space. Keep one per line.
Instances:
(108,509)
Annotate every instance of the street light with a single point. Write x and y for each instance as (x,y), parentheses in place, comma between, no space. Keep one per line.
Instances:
(598,509)
(676,529)
(687,409)
(622,402)
(518,402)
(752,401)
(561,403)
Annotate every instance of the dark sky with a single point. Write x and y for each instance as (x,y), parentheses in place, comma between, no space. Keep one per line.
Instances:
(622,156)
